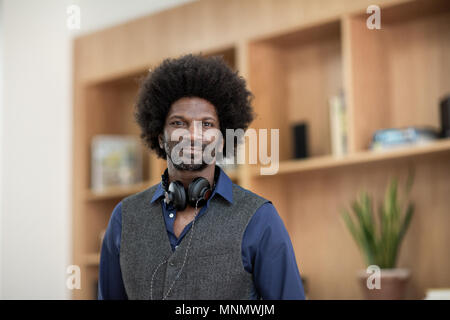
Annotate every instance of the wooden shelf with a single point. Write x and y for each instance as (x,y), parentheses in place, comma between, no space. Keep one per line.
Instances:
(116,192)
(327,162)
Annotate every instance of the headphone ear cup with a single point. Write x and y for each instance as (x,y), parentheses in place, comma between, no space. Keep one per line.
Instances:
(177,195)
(199,188)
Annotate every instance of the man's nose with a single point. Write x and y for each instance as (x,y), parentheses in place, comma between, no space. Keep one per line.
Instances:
(195,131)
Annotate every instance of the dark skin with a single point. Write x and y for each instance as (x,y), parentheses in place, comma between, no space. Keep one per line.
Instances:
(182,115)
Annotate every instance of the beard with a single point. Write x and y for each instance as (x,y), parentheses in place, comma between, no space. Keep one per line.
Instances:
(188,162)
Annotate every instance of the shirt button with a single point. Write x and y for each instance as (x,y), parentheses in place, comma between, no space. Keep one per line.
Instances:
(171,264)
(171,215)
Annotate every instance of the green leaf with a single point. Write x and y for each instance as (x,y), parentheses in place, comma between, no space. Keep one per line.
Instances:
(380,245)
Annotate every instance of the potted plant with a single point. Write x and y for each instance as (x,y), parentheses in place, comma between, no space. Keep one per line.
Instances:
(379,239)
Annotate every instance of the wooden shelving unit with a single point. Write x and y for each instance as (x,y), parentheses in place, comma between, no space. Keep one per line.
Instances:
(294,56)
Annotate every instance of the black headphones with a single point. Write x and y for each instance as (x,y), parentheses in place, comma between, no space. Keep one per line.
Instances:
(199,191)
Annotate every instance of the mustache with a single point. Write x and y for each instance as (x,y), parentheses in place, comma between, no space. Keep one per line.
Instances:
(194,144)
(172,144)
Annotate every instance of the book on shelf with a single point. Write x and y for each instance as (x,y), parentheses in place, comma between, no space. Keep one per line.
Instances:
(116,160)
(394,138)
(338,125)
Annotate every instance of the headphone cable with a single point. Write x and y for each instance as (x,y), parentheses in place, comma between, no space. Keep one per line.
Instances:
(184,262)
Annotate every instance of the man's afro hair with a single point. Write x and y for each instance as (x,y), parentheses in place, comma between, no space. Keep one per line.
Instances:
(208,78)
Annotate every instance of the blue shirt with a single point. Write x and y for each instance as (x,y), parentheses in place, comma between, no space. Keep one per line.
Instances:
(267,250)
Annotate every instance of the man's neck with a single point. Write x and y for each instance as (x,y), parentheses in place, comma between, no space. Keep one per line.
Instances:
(186,176)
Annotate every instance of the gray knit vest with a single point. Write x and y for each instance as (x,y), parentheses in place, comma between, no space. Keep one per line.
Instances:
(213,269)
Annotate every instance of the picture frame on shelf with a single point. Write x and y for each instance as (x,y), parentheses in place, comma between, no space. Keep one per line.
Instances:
(116,160)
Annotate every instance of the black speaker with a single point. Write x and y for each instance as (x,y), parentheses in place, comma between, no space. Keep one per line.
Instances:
(445,117)
(300,132)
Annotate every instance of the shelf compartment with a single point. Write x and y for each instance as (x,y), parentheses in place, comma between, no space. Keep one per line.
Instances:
(110,111)
(292,77)
(400,72)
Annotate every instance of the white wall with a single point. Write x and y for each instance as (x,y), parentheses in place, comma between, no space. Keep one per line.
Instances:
(36,150)
(36,136)
(1,136)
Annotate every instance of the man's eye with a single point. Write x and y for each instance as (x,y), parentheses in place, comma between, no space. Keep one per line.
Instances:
(177,123)
(207,124)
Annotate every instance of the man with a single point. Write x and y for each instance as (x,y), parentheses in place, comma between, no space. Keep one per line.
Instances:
(195,235)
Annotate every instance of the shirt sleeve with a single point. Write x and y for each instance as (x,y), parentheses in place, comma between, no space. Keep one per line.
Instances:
(268,254)
(110,283)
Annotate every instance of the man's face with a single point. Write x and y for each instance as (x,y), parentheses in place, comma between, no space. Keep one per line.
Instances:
(191,125)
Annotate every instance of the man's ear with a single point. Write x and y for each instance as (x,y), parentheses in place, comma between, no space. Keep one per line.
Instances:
(222,143)
(161,141)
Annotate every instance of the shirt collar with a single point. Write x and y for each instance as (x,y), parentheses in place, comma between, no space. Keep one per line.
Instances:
(223,187)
